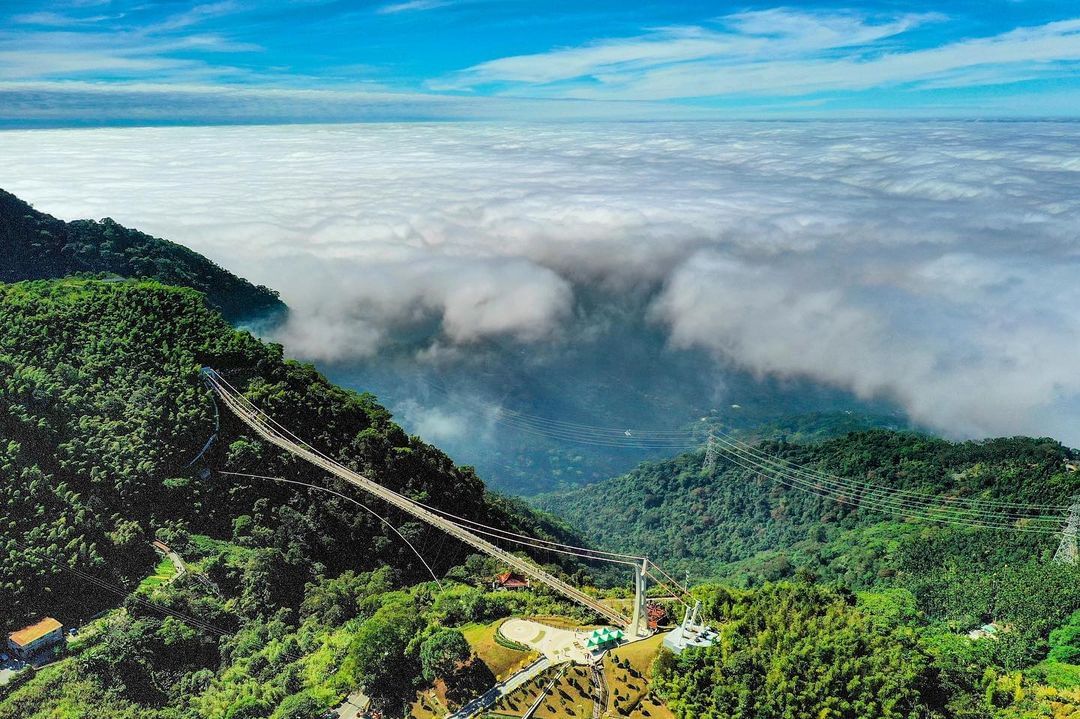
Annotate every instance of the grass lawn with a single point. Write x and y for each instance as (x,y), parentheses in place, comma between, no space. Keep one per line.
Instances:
(163,572)
(502,661)
(428,705)
(627,671)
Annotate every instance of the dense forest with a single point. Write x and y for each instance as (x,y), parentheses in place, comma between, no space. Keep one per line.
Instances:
(34,245)
(804,649)
(735,524)
(102,413)
(104,421)
(838,609)
(294,598)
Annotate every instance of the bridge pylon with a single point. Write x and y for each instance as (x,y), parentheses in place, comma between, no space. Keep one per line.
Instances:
(639,622)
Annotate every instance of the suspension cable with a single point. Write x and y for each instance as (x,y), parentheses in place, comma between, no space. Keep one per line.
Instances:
(354,501)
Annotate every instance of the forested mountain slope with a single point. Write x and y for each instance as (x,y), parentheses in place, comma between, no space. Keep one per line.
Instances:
(34,245)
(735,525)
(874,613)
(713,523)
(294,599)
(102,413)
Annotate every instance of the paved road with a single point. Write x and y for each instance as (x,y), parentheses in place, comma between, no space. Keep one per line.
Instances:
(354,706)
(501,689)
(599,690)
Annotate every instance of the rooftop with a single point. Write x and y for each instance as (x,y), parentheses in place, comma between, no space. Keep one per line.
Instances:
(511,579)
(604,635)
(29,634)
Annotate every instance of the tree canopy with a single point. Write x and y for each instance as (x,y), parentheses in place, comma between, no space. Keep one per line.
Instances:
(34,245)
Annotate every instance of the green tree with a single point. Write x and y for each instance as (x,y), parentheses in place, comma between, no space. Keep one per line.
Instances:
(298,706)
(443,652)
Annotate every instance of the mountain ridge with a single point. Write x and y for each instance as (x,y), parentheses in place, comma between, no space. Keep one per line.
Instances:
(40,246)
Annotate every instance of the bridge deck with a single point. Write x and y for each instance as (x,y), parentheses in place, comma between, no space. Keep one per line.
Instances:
(264,427)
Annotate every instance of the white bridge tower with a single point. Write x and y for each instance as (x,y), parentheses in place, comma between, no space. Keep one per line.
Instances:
(639,623)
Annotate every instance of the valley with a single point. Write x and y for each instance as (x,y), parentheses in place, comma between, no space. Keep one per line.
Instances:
(198,526)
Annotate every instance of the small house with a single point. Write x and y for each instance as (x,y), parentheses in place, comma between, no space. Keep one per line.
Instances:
(36,638)
(987,631)
(509,582)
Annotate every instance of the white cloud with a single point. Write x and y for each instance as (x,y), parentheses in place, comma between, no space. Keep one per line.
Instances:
(931,263)
(63,47)
(758,35)
(775,53)
(54,19)
(412,6)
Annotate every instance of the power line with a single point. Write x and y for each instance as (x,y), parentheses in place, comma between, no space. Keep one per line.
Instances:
(687,439)
(877,503)
(898,498)
(357,503)
(265,430)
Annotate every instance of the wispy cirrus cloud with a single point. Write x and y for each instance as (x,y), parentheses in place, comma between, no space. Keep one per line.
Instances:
(775,52)
(196,15)
(412,6)
(779,61)
(55,46)
(55,19)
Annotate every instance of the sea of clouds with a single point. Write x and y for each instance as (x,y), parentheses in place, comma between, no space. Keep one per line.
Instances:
(931,264)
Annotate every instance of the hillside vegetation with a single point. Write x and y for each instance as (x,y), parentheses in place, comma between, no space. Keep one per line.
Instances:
(293,597)
(102,413)
(736,524)
(34,245)
(809,646)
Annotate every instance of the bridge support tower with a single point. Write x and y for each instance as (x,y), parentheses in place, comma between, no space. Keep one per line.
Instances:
(639,623)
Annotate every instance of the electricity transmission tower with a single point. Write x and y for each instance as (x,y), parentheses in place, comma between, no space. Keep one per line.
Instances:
(710,455)
(1067,550)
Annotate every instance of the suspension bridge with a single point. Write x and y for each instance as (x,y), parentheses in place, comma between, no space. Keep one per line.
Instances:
(957,510)
(477,535)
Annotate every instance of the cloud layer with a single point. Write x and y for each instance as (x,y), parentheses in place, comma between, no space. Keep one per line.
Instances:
(933,264)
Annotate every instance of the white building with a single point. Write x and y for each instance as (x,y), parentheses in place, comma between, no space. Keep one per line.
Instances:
(690,633)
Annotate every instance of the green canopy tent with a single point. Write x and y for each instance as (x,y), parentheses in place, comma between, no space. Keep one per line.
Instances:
(603,638)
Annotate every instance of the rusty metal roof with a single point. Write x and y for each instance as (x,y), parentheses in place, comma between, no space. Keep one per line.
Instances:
(29,634)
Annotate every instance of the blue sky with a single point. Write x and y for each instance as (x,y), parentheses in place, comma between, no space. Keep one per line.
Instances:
(138,61)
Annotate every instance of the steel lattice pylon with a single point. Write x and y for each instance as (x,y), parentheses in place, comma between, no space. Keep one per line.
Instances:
(1067,550)
(710,455)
